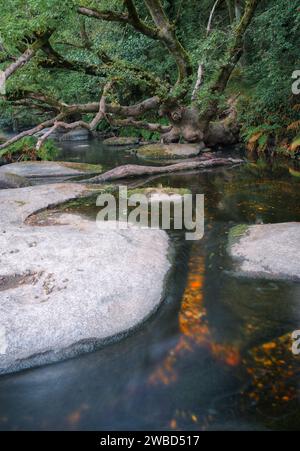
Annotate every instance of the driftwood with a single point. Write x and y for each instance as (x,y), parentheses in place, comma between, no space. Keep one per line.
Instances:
(132,170)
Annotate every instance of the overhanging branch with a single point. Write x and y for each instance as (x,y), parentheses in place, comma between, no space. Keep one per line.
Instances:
(131,17)
(163,30)
(167,35)
(130,122)
(29,53)
(124,116)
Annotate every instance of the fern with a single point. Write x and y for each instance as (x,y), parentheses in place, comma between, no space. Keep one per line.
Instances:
(257,138)
(295,144)
(294,125)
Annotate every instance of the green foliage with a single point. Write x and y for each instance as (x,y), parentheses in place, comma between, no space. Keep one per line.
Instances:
(48,151)
(263,78)
(270,59)
(296,143)
(25,150)
(236,233)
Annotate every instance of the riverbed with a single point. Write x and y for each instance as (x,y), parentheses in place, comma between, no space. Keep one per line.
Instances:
(217,354)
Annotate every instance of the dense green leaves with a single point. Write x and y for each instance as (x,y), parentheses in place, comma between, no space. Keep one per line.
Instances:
(263,78)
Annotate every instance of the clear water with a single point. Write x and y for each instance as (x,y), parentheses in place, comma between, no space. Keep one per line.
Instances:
(217,355)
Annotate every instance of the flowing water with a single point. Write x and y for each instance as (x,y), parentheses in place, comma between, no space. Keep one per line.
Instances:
(217,355)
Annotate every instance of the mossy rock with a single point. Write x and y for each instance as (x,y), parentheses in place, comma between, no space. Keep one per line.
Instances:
(169,151)
(161,194)
(236,233)
(159,190)
(84,167)
(121,141)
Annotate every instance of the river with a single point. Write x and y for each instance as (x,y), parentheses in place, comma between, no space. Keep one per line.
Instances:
(217,354)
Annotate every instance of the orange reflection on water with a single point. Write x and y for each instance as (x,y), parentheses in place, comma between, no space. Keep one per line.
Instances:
(194,328)
(74,418)
(274,371)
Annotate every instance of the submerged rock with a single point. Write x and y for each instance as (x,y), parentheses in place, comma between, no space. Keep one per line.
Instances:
(60,134)
(78,134)
(161,194)
(47,169)
(56,134)
(8,181)
(267,251)
(120,141)
(69,287)
(169,151)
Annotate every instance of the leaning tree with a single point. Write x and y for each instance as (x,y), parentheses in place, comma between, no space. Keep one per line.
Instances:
(186,106)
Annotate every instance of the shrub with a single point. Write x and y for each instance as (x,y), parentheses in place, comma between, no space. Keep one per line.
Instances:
(25,150)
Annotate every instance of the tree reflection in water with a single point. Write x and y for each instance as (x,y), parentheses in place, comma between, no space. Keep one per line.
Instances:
(194,327)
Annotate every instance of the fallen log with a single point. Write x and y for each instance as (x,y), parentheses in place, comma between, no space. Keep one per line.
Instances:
(132,170)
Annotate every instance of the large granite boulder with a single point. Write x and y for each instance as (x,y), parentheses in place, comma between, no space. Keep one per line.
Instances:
(65,289)
(267,251)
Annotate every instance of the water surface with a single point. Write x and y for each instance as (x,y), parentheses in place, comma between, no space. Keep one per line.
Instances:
(217,355)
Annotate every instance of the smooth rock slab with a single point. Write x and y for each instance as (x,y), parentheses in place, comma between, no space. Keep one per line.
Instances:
(45,169)
(8,181)
(267,251)
(66,288)
(169,151)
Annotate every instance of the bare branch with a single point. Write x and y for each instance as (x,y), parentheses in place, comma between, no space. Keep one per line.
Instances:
(118,110)
(132,18)
(59,124)
(132,170)
(57,61)
(92,126)
(110,67)
(234,54)
(167,36)
(46,135)
(135,110)
(31,132)
(211,16)
(110,16)
(102,107)
(163,32)
(199,82)
(130,122)
(27,55)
